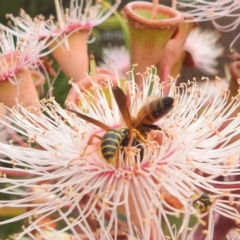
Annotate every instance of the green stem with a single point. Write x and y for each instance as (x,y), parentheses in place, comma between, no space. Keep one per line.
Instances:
(123,24)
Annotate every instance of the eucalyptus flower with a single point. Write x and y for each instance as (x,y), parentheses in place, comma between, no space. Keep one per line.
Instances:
(116,58)
(38,28)
(19,57)
(83,14)
(144,186)
(66,38)
(17,54)
(76,25)
(80,14)
(204,50)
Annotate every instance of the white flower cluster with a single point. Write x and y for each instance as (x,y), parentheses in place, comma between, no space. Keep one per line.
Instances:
(78,190)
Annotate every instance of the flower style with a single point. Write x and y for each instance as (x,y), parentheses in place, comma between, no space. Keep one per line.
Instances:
(116,57)
(78,189)
(204,57)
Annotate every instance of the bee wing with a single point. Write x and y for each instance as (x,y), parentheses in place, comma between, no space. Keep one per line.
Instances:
(141,113)
(153,109)
(91,120)
(121,101)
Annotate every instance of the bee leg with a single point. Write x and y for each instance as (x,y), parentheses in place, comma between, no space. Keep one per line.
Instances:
(139,135)
(202,208)
(130,137)
(89,142)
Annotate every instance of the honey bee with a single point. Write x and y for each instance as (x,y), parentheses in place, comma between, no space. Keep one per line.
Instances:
(136,130)
(111,140)
(150,112)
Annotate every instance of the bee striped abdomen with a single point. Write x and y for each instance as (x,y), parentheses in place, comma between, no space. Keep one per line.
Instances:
(110,143)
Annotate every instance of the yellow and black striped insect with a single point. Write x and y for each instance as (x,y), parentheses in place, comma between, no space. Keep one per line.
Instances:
(202,203)
(150,112)
(111,140)
(153,109)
